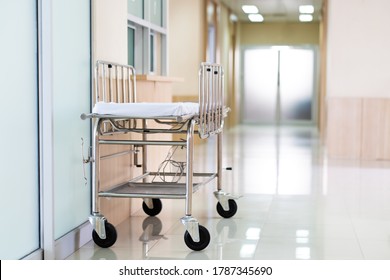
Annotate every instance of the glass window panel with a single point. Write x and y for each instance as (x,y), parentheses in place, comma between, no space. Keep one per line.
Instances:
(211,48)
(130,45)
(296,84)
(260,85)
(71,97)
(151,53)
(156,12)
(19,199)
(136,8)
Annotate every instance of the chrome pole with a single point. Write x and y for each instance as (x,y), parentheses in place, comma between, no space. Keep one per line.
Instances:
(95,166)
(189,167)
(219,161)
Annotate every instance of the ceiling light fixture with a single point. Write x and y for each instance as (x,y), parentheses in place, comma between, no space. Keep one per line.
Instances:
(305,18)
(256,18)
(233,17)
(250,9)
(306,9)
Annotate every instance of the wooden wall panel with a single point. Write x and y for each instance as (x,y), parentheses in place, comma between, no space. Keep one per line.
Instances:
(386,130)
(113,171)
(358,128)
(344,128)
(375,136)
(155,91)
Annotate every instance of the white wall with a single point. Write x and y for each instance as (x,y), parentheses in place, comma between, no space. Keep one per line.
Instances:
(358,48)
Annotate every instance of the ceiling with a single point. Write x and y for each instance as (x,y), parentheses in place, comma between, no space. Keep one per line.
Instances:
(274,10)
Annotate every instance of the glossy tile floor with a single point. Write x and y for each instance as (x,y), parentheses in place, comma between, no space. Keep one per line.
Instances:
(296,204)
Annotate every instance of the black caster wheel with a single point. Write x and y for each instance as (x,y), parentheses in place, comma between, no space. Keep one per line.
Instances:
(204,241)
(232,209)
(157,206)
(111,236)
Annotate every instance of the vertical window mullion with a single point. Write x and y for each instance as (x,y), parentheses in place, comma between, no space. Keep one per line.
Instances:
(146,47)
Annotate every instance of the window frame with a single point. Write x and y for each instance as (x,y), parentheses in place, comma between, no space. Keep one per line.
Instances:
(145,30)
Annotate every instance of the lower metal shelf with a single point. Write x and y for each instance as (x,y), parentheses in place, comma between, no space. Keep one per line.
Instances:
(155,189)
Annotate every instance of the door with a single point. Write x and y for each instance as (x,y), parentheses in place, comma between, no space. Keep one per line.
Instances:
(19,161)
(278,85)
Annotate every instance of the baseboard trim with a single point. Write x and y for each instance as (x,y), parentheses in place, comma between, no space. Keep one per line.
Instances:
(36,255)
(72,241)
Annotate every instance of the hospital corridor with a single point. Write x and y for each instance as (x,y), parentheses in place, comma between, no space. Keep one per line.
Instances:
(296,205)
(210,130)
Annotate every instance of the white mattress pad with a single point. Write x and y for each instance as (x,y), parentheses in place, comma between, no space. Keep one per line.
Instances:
(146,110)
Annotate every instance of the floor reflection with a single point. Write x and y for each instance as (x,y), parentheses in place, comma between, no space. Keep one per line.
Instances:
(296,204)
(275,160)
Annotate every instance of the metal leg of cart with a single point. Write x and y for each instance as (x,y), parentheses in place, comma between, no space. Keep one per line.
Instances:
(226,206)
(196,236)
(104,233)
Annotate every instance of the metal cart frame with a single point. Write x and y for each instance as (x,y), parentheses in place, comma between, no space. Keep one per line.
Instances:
(116,83)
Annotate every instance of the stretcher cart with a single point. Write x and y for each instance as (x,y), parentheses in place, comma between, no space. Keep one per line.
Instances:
(116,112)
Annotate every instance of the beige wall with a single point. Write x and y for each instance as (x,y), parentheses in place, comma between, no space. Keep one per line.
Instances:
(110,30)
(227,43)
(186,44)
(358,79)
(187,49)
(279,34)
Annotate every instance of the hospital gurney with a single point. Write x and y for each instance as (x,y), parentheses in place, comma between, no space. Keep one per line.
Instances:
(116,112)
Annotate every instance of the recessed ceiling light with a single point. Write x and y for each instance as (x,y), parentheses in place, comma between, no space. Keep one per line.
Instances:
(250,9)
(256,17)
(233,17)
(306,9)
(305,18)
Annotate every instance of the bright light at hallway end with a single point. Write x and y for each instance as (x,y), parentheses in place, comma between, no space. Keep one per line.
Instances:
(250,9)
(256,18)
(306,9)
(305,18)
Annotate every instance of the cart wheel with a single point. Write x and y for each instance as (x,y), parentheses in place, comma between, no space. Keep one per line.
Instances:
(110,236)
(157,206)
(204,241)
(232,209)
